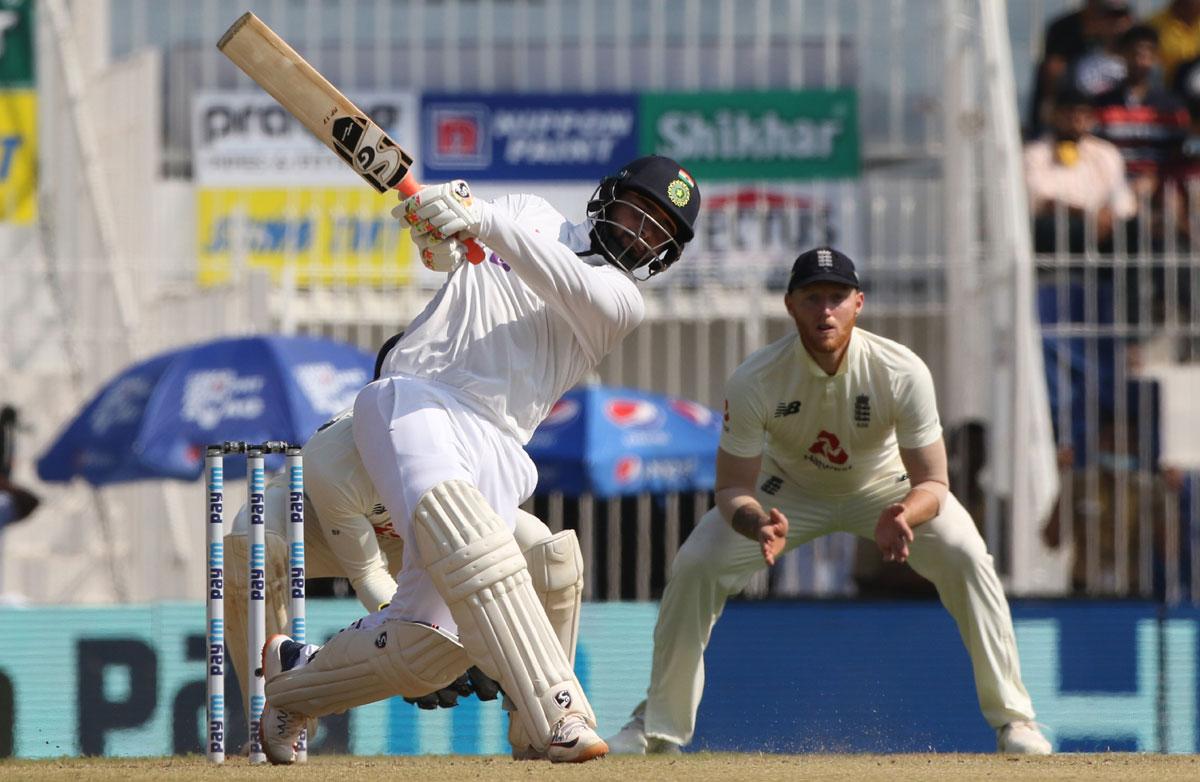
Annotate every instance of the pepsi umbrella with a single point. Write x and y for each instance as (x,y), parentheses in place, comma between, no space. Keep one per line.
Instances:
(154,419)
(613,441)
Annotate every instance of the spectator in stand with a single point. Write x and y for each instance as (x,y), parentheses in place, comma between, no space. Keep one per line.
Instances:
(1145,121)
(1071,173)
(1178,26)
(1184,194)
(1186,83)
(1078,50)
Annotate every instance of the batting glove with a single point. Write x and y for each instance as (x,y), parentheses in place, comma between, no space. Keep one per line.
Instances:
(439,255)
(445,698)
(442,211)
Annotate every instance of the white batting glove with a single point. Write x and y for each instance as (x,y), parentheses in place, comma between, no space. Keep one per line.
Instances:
(443,255)
(442,211)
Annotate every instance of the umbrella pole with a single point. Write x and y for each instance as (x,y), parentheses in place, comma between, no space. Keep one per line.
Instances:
(104,512)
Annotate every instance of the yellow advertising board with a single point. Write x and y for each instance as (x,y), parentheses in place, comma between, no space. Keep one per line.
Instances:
(316,236)
(18,156)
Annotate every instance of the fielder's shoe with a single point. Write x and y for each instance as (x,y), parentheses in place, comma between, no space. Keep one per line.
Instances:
(278,730)
(632,740)
(1022,737)
(573,741)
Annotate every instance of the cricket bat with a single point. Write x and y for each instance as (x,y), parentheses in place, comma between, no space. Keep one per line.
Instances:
(326,112)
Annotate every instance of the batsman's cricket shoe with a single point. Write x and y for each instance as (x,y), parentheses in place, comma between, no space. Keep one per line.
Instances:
(574,741)
(1022,737)
(278,730)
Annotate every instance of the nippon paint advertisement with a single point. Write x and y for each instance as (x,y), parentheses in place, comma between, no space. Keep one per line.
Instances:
(851,677)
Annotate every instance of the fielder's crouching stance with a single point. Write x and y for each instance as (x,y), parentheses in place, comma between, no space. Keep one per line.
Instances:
(830,429)
(441,434)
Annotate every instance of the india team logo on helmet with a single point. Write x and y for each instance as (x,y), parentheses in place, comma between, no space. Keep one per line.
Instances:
(632,412)
(679,193)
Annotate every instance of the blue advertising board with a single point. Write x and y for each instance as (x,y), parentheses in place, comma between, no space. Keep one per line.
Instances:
(832,676)
(527,137)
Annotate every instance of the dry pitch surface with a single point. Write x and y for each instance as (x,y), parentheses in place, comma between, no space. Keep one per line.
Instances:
(689,768)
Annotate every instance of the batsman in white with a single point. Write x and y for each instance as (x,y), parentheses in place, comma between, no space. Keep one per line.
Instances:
(442,433)
(830,429)
(349,533)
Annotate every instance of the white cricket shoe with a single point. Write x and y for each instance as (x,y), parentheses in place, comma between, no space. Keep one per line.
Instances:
(632,740)
(574,741)
(278,730)
(1022,737)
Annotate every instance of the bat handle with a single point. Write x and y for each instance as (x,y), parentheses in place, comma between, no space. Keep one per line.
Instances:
(409,186)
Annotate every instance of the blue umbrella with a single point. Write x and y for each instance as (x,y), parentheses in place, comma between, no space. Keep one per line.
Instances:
(613,441)
(154,419)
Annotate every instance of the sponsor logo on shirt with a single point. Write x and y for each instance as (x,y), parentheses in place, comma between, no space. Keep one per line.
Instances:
(827,452)
(787,408)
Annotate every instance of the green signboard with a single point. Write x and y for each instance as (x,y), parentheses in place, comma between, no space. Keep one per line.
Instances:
(811,134)
(16,43)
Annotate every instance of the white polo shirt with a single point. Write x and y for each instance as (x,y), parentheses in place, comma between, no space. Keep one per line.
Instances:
(830,434)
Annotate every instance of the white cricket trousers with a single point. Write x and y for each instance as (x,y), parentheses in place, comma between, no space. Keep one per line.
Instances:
(716,562)
(413,434)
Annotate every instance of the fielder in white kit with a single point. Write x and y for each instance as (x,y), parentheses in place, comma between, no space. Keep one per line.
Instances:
(830,429)
(442,434)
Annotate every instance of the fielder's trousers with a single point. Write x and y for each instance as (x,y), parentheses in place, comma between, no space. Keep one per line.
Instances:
(716,562)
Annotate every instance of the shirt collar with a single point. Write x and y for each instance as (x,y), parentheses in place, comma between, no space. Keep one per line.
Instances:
(815,369)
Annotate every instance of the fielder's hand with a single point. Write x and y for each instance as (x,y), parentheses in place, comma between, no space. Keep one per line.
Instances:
(439,255)
(442,211)
(772,536)
(892,533)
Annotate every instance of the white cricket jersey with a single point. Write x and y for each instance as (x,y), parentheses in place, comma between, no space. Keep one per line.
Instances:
(830,434)
(511,335)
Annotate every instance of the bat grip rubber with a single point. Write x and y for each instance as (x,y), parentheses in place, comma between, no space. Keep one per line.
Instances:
(409,186)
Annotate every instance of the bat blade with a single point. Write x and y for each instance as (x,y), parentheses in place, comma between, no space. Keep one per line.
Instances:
(322,108)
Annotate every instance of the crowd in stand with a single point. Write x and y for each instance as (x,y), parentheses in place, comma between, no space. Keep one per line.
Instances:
(1112,168)
(1113,155)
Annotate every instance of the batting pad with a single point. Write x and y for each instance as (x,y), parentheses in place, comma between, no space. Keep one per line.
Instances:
(556,568)
(479,570)
(366,664)
(237,576)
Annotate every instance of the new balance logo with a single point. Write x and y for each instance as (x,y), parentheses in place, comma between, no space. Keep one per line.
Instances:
(771,485)
(787,408)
